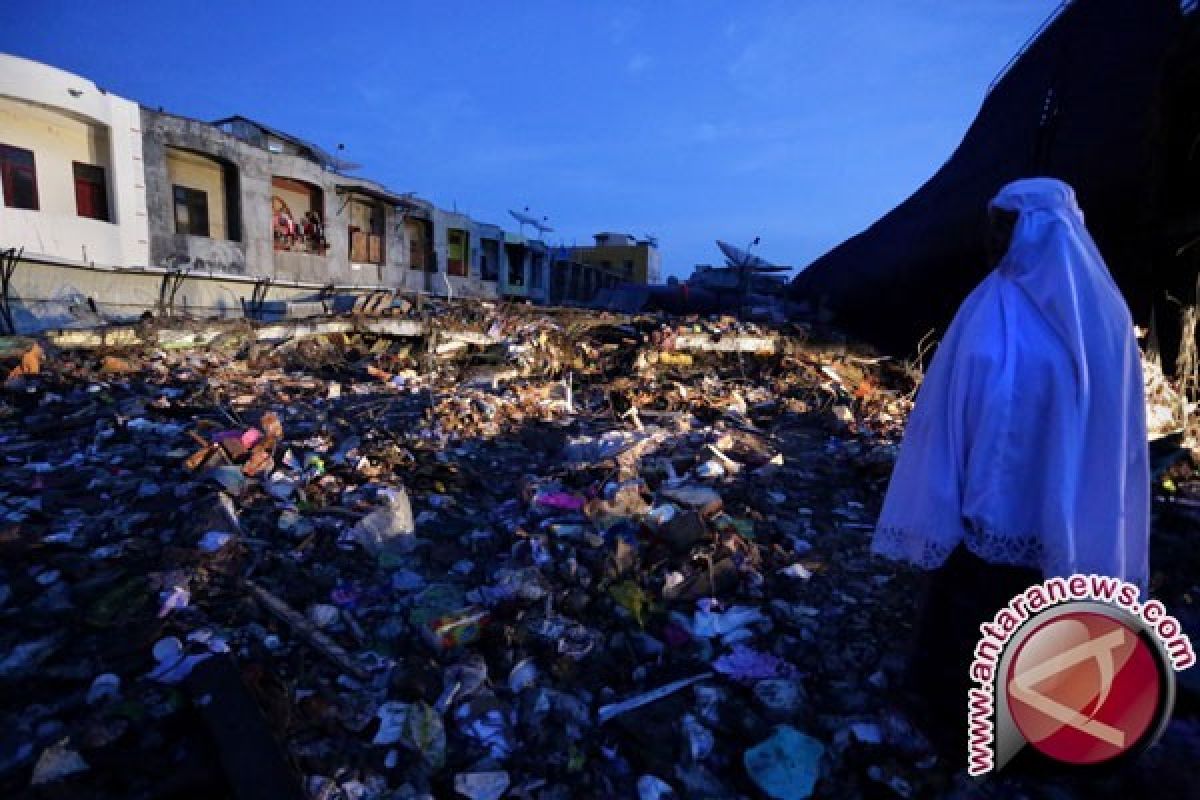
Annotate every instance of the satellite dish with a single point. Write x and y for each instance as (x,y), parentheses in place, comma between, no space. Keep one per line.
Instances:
(737,257)
(525,218)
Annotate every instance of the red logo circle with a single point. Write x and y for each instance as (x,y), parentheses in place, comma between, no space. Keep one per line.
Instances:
(1083,687)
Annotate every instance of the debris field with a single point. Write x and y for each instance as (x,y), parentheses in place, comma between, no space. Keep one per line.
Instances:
(477,551)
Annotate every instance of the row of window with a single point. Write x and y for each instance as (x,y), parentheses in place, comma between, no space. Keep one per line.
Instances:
(19,182)
(18,179)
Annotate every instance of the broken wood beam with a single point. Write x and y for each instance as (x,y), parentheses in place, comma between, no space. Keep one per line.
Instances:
(705,343)
(308,632)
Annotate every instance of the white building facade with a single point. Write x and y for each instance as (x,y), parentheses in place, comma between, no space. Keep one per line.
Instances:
(73,184)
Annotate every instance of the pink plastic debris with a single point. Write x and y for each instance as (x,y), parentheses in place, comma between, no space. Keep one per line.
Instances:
(560,501)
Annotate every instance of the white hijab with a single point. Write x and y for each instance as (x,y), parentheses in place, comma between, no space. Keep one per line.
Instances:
(1028,439)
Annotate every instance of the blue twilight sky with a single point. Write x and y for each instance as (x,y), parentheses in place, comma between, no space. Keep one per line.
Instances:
(800,121)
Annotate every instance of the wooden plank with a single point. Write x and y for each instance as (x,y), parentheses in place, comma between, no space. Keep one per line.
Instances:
(701,342)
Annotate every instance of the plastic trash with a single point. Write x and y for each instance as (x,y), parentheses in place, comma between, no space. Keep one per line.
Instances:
(282,486)
(781,699)
(633,598)
(662,514)
(785,765)
(323,615)
(404,580)
(699,498)
(462,681)
(57,762)
(796,571)
(104,687)
(698,740)
(559,501)
(393,721)
(486,721)
(867,732)
(481,785)
(524,674)
(390,528)
(174,663)
(173,599)
(450,632)
(426,734)
(229,478)
(212,541)
(710,624)
(651,788)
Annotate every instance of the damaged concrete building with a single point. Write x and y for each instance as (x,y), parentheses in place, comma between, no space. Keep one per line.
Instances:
(112,209)
(239,198)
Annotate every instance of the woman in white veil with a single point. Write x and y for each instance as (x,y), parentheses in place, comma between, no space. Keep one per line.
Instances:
(1025,456)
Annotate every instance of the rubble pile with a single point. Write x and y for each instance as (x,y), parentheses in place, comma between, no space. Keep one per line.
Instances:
(577,557)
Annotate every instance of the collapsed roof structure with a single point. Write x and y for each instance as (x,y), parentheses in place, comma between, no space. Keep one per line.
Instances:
(1103,97)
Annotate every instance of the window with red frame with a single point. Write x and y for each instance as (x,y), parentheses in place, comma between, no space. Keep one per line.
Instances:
(18,175)
(91,191)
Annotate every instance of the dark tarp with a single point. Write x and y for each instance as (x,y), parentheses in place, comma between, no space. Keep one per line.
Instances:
(674,298)
(1080,104)
(624,299)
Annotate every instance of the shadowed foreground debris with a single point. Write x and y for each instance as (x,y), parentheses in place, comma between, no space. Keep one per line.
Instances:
(503,553)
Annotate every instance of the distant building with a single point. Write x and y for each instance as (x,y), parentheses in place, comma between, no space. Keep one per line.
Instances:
(630,259)
(731,279)
(239,197)
(119,208)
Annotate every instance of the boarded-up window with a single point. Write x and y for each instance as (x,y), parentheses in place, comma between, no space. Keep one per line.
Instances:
(19,177)
(366,232)
(417,232)
(91,191)
(358,246)
(456,252)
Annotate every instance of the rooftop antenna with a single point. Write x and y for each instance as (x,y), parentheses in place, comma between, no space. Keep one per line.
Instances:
(745,263)
(526,218)
(744,270)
